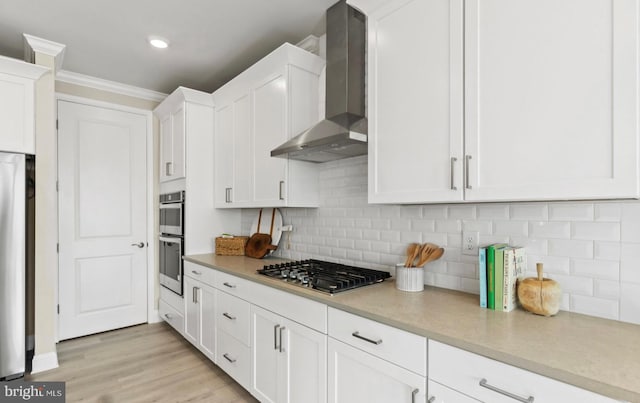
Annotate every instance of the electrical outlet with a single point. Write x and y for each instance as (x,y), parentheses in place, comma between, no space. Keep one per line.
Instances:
(470,241)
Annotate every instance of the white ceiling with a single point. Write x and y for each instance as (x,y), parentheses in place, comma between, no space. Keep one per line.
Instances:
(211,41)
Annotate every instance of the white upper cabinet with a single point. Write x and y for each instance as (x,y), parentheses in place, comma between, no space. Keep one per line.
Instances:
(17,111)
(267,104)
(175,123)
(415,101)
(550,100)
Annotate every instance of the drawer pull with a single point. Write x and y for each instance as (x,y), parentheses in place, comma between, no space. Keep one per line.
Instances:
(275,337)
(231,360)
(196,272)
(485,384)
(226,315)
(168,316)
(229,285)
(357,335)
(431,399)
(413,395)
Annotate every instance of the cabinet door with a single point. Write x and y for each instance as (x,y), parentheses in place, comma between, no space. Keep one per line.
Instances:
(207,315)
(415,101)
(303,366)
(191,310)
(358,377)
(166,149)
(441,394)
(224,156)
(551,99)
(178,131)
(264,354)
(242,149)
(16,114)
(270,129)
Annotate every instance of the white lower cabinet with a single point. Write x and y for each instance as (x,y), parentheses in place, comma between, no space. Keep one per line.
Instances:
(289,360)
(199,318)
(234,358)
(488,380)
(359,377)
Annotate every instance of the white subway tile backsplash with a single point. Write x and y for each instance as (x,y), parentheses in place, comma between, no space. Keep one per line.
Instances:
(608,212)
(571,248)
(606,250)
(600,269)
(599,231)
(492,212)
(630,263)
(571,212)
(630,226)
(546,229)
(630,303)
(511,228)
(592,248)
(604,308)
(537,211)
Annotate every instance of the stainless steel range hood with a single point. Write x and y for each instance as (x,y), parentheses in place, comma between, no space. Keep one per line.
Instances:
(343,133)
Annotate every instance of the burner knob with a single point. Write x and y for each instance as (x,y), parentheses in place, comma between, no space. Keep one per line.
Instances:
(284,273)
(293,274)
(304,279)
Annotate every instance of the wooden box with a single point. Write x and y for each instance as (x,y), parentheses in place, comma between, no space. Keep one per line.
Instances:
(231,246)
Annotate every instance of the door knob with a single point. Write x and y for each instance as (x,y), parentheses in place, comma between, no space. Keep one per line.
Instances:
(139,244)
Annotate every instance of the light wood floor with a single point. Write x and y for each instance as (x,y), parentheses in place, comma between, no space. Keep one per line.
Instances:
(145,363)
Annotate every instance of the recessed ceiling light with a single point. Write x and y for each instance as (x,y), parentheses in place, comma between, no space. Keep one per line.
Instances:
(158,42)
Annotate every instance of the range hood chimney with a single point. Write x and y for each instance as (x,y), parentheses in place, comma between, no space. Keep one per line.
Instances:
(343,133)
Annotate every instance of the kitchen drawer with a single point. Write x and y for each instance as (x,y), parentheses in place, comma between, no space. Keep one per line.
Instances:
(234,358)
(464,371)
(171,316)
(310,313)
(200,273)
(405,349)
(233,285)
(233,316)
(172,299)
(441,394)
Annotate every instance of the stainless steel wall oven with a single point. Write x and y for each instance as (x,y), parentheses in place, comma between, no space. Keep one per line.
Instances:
(171,240)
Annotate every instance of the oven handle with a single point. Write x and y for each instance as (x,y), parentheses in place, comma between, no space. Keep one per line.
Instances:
(171,239)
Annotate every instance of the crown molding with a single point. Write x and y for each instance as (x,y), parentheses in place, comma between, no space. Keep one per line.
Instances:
(33,44)
(17,67)
(110,86)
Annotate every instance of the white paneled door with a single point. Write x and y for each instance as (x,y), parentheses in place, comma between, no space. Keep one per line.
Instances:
(102,219)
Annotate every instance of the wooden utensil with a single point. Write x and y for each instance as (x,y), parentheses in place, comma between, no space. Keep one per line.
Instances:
(430,255)
(412,252)
(540,295)
(260,244)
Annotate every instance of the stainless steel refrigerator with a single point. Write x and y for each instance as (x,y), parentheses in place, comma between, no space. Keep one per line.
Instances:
(13,200)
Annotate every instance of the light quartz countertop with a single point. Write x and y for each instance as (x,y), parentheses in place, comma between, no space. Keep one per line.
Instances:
(595,354)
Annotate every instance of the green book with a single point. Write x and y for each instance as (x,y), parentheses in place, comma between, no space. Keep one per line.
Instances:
(499,277)
(491,274)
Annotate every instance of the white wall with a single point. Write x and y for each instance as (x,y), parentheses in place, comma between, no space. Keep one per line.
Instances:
(591,248)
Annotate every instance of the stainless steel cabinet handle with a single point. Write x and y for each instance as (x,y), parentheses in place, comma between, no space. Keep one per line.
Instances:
(227,195)
(231,360)
(357,335)
(485,384)
(139,244)
(280,347)
(413,395)
(229,285)
(226,315)
(431,399)
(195,294)
(168,169)
(453,165)
(168,316)
(275,337)
(280,196)
(196,272)
(466,171)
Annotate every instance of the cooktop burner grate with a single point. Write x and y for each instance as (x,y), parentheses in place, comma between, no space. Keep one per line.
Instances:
(324,276)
